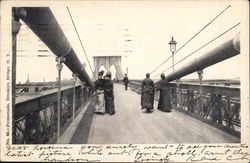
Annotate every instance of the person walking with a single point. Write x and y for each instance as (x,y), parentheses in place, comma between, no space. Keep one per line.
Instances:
(99,94)
(109,94)
(126,81)
(147,93)
(165,96)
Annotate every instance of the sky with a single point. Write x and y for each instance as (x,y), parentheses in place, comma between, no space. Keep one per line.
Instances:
(104,27)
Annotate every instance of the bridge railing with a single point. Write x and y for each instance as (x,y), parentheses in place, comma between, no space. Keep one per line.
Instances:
(216,105)
(36,118)
(219,106)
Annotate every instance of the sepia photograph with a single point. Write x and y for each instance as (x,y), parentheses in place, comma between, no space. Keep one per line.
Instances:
(127,81)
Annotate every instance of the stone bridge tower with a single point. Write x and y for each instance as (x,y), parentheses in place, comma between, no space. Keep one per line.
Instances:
(107,62)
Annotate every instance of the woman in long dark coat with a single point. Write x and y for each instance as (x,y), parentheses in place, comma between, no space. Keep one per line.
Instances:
(147,93)
(165,100)
(109,94)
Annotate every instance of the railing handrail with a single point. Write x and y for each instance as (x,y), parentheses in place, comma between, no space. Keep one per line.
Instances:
(20,113)
(42,83)
(45,93)
(226,91)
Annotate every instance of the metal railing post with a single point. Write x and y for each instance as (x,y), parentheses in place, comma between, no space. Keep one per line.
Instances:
(178,93)
(173,60)
(74,94)
(200,73)
(17,13)
(83,94)
(59,66)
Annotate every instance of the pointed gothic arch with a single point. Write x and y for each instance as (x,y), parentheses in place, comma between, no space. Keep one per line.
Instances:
(107,62)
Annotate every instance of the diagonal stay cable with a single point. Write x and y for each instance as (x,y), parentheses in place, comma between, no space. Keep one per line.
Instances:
(200,48)
(161,64)
(192,38)
(80,41)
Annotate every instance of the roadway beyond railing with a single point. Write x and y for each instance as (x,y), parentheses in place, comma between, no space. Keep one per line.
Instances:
(216,105)
(36,118)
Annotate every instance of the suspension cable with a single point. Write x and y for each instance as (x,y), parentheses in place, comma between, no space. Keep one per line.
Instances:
(191,38)
(80,40)
(200,48)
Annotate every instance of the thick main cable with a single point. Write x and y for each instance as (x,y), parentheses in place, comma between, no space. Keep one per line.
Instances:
(192,38)
(80,41)
(200,48)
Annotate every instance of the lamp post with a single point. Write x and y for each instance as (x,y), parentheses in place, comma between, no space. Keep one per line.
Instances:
(172,44)
(59,67)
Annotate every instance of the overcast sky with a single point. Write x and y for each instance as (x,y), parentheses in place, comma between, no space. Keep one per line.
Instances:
(104,27)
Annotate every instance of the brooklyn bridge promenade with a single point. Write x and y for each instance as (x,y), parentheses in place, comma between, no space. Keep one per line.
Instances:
(130,124)
(62,111)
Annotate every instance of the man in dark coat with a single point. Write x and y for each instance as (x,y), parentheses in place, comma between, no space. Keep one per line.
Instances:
(165,100)
(125,81)
(147,93)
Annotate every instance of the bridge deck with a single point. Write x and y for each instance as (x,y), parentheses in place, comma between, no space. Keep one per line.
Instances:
(130,124)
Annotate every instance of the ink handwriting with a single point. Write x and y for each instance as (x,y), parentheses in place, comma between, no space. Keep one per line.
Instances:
(132,152)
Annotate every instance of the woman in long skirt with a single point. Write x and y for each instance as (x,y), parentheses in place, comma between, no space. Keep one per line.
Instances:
(99,94)
(147,94)
(165,100)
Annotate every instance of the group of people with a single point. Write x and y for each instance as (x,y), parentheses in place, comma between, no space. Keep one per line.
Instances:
(104,94)
(148,88)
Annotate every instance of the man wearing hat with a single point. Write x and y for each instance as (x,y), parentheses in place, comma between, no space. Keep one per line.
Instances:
(165,100)
(147,93)
(125,81)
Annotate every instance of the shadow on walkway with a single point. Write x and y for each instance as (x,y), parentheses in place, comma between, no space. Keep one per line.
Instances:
(82,131)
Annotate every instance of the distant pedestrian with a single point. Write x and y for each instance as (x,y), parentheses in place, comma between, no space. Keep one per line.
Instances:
(126,81)
(165,100)
(147,93)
